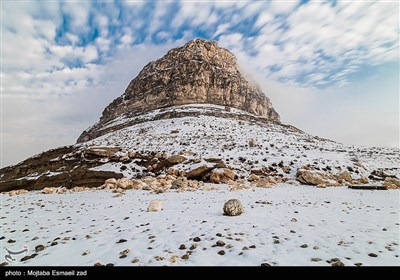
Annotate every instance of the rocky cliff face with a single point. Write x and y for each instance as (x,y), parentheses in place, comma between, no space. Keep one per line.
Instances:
(198,72)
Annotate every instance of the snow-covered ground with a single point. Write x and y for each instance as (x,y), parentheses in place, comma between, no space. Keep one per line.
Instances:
(284,225)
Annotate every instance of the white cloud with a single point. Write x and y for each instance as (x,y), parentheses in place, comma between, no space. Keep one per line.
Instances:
(194,13)
(134,3)
(263,18)
(79,14)
(283,7)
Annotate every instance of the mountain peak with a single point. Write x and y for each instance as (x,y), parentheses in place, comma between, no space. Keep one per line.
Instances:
(199,72)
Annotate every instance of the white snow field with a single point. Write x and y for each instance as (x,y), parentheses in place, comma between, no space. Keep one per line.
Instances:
(284,226)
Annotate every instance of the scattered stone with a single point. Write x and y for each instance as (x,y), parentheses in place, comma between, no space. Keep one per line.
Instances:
(304,246)
(265,264)
(252,143)
(135,260)
(220,243)
(316,259)
(121,241)
(124,253)
(182,247)
(54,243)
(293,220)
(252,247)
(233,207)
(98,264)
(3,264)
(173,259)
(372,255)
(196,239)
(110,264)
(245,248)
(28,257)
(336,262)
(155,206)
(87,252)
(358,264)
(179,183)
(39,248)
(185,257)
(222,252)
(132,154)
(159,258)
(193,246)
(11,241)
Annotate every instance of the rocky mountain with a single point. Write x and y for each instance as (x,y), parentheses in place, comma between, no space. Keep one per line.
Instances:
(200,72)
(191,118)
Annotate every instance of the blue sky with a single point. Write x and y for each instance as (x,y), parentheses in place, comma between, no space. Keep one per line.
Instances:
(62,62)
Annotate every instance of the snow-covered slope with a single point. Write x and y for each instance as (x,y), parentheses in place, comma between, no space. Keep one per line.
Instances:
(242,141)
(202,135)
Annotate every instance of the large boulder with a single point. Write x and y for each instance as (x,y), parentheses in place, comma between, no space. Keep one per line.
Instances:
(313,177)
(391,183)
(222,176)
(17,192)
(265,183)
(124,183)
(345,176)
(176,159)
(101,151)
(200,172)
(233,207)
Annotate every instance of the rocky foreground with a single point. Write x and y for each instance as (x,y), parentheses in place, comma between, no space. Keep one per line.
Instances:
(282,225)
